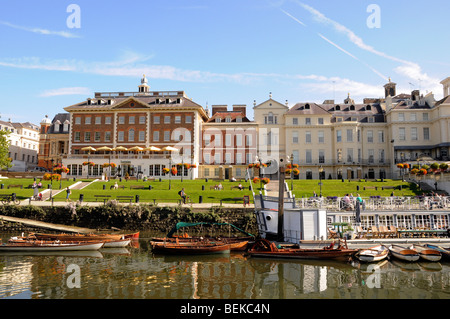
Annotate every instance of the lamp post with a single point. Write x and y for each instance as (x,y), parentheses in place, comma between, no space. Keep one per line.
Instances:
(51,178)
(291,160)
(258,159)
(170,172)
(60,180)
(320,179)
(182,168)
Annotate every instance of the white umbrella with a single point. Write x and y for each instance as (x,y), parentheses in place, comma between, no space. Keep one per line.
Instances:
(170,149)
(88,148)
(152,148)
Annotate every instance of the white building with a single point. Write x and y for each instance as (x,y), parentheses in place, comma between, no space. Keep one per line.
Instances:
(24,144)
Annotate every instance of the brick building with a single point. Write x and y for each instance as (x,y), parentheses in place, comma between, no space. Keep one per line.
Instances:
(135,131)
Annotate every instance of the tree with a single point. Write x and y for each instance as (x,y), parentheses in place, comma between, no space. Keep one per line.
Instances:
(5,161)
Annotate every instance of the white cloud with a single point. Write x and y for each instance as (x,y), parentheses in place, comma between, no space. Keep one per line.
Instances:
(344,86)
(63,34)
(67,91)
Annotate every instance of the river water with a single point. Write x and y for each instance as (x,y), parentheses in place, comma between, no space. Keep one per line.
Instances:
(135,273)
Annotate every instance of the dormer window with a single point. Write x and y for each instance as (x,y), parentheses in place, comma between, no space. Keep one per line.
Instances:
(368,107)
(337,108)
(307,106)
(218,120)
(228,119)
(57,124)
(66,126)
(239,119)
(352,107)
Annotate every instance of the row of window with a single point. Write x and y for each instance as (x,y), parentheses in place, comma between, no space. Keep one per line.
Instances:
(412,117)
(349,156)
(130,136)
(131,119)
(28,158)
(413,133)
(230,158)
(238,139)
(167,136)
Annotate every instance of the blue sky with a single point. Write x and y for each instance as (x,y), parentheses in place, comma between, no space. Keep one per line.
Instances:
(217,51)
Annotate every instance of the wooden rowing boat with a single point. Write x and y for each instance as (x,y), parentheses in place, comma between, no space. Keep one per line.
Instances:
(83,237)
(373,254)
(116,243)
(404,253)
(108,243)
(444,251)
(236,244)
(265,249)
(427,253)
(190,249)
(50,246)
(132,236)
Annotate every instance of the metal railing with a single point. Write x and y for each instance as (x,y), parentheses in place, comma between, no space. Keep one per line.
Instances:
(372,203)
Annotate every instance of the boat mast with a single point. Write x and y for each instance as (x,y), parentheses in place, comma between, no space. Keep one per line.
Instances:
(281,201)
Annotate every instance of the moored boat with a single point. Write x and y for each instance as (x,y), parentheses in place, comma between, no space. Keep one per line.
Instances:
(82,237)
(235,244)
(373,254)
(404,253)
(190,249)
(50,246)
(266,249)
(444,251)
(116,243)
(427,253)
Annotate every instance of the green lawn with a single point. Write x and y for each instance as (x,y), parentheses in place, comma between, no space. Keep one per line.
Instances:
(305,188)
(161,193)
(26,192)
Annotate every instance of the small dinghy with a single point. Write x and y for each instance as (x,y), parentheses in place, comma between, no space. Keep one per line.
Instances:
(404,253)
(373,254)
(50,246)
(427,253)
(444,251)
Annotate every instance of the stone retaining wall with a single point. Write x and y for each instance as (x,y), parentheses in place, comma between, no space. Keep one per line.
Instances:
(133,217)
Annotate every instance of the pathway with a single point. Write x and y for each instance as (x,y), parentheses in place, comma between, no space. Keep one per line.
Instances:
(53,192)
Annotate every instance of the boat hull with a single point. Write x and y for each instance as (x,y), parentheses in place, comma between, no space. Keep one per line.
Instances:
(28,247)
(235,244)
(373,254)
(265,249)
(76,237)
(185,249)
(444,252)
(117,243)
(404,254)
(305,254)
(427,253)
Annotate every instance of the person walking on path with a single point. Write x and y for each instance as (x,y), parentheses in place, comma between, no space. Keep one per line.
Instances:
(68,192)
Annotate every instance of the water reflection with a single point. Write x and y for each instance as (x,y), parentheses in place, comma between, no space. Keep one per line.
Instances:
(135,273)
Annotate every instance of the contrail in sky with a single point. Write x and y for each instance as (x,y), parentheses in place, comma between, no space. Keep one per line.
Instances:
(337,46)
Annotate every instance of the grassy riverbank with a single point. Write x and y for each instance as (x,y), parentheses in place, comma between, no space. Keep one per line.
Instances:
(167,191)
